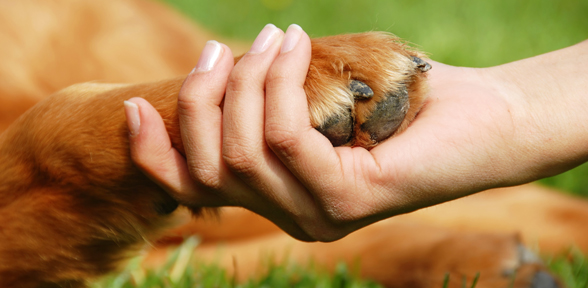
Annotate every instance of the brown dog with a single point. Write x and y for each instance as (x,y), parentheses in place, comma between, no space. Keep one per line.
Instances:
(73,205)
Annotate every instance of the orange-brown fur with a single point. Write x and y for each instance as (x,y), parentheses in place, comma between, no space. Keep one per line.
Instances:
(48,45)
(76,198)
(73,148)
(73,205)
(68,163)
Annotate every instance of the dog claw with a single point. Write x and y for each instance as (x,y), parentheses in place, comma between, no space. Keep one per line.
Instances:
(421,64)
(338,129)
(388,115)
(360,90)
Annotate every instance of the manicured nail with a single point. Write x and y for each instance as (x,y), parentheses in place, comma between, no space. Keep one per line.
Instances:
(266,37)
(291,39)
(210,55)
(133,118)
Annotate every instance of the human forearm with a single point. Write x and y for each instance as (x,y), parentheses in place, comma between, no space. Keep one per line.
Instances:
(549,99)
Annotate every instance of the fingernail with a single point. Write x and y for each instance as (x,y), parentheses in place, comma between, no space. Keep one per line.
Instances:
(266,37)
(210,55)
(291,39)
(133,118)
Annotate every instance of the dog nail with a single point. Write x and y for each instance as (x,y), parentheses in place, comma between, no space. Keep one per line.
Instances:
(387,115)
(133,118)
(210,55)
(421,64)
(338,129)
(360,90)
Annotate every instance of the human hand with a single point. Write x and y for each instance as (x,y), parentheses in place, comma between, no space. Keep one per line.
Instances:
(268,158)
(205,180)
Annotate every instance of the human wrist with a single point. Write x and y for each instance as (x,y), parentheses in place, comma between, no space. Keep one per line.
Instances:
(548,99)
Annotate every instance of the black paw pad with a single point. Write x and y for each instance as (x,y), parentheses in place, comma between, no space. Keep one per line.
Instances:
(387,115)
(338,129)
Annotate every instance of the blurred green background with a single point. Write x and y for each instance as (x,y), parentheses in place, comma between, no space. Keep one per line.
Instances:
(456,32)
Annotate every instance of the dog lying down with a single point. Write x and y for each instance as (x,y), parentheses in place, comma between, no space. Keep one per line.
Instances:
(74,206)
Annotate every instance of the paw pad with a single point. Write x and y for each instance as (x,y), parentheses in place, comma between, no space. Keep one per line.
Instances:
(364,88)
(387,115)
(338,128)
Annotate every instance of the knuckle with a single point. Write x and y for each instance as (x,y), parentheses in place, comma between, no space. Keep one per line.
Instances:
(239,82)
(279,137)
(205,176)
(342,212)
(325,227)
(335,217)
(275,79)
(149,157)
(239,159)
(187,105)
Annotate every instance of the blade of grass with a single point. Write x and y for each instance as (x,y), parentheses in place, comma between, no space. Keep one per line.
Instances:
(446,280)
(475,280)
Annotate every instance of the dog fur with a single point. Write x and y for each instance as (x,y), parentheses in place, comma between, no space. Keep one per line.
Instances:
(74,206)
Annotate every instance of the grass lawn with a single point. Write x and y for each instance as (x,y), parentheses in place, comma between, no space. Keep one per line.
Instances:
(456,32)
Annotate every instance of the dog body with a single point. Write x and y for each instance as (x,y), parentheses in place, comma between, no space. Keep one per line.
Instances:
(73,205)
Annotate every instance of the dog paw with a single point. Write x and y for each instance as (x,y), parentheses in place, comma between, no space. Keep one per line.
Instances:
(364,88)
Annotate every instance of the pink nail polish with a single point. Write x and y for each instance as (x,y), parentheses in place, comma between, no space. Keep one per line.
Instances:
(133,118)
(209,57)
(266,37)
(292,37)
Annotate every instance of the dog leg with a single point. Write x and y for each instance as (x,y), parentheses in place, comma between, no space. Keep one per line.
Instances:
(397,252)
(73,204)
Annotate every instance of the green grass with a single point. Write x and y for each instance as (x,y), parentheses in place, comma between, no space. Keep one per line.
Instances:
(182,270)
(457,32)
(572,268)
(574,181)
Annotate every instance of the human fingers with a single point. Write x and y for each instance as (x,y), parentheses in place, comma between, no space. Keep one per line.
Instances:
(287,128)
(152,151)
(307,154)
(244,148)
(200,110)
(200,118)
(244,103)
